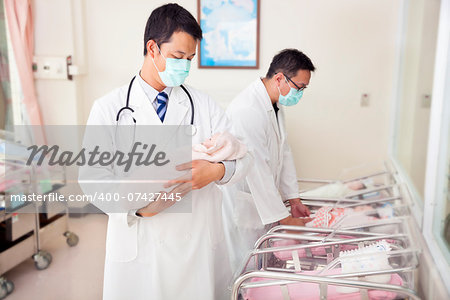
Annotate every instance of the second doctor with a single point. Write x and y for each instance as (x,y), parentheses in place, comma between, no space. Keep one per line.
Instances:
(258,201)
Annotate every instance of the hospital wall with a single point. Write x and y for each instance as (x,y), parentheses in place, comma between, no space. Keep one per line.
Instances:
(354,45)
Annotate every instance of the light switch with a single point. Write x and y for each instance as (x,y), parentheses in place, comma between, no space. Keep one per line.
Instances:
(365,100)
(426,100)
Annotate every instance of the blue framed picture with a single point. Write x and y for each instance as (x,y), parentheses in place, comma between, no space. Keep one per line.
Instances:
(230,34)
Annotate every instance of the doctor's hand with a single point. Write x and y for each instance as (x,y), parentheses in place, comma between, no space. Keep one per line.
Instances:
(202,173)
(295,221)
(298,209)
(165,200)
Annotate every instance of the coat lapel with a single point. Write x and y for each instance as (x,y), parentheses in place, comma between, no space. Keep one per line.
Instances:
(267,104)
(274,123)
(144,112)
(281,119)
(177,107)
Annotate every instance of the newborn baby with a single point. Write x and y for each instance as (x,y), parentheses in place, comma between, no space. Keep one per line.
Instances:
(327,216)
(337,189)
(221,146)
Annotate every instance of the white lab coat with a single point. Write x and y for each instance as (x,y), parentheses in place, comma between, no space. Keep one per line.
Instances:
(258,200)
(173,255)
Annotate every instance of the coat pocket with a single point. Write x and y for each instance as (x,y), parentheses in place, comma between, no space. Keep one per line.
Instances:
(214,217)
(245,213)
(121,239)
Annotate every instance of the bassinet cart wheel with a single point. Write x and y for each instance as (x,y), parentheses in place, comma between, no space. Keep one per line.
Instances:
(47,255)
(9,286)
(42,260)
(3,291)
(72,238)
(6,287)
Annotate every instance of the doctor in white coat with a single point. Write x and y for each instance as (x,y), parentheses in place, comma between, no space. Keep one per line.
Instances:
(154,255)
(258,118)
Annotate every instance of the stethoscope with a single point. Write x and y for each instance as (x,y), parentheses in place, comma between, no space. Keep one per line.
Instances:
(190,131)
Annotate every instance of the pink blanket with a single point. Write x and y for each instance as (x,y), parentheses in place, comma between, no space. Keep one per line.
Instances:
(310,291)
(329,217)
(316,251)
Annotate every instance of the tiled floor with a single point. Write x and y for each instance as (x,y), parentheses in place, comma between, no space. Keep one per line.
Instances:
(75,272)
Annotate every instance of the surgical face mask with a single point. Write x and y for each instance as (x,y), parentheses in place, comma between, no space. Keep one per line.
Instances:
(291,98)
(176,70)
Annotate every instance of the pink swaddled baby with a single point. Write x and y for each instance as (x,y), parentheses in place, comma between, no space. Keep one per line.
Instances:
(221,146)
(327,217)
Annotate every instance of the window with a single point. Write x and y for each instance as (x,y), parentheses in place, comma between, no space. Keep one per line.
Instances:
(437,199)
(417,62)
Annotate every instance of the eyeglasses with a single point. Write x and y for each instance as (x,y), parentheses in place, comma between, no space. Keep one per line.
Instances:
(298,88)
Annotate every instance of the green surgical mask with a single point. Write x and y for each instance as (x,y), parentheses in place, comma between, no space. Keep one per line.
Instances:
(176,70)
(291,98)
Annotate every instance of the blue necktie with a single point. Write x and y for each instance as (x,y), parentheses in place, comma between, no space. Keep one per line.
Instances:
(161,105)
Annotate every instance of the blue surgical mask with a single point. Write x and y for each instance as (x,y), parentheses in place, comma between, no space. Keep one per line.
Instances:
(291,98)
(176,70)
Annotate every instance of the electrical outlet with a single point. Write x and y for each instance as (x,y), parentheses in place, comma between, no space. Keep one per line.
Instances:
(365,100)
(48,67)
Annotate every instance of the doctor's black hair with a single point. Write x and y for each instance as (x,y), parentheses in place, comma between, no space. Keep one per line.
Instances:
(289,62)
(167,19)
